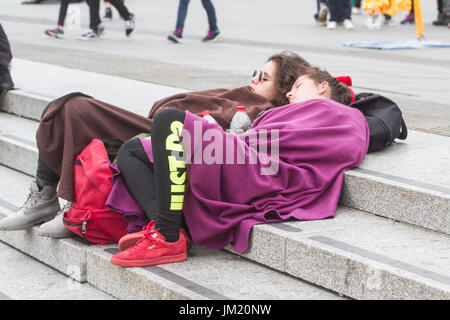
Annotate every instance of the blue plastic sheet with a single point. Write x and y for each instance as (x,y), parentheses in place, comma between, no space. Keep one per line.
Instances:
(397,44)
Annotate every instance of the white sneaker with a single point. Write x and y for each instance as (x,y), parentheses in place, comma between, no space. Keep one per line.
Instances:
(374,21)
(40,206)
(90,35)
(331,25)
(130,25)
(55,228)
(356,11)
(348,24)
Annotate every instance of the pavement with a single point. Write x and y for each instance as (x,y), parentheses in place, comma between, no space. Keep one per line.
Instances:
(134,72)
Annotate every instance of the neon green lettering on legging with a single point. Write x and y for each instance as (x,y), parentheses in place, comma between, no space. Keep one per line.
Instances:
(176,128)
(178,182)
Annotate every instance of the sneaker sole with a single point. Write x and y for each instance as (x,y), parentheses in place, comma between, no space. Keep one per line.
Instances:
(28,225)
(130,240)
(54,35)
(149,262)
(173,39)
(210,40)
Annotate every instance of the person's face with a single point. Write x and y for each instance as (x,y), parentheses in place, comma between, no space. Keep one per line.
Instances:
(306,89)
(263,84)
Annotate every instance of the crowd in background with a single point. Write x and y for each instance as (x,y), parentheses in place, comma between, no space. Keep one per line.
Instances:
(331,13)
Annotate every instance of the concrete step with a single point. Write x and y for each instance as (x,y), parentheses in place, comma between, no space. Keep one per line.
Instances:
(34,92)
(207,274)
(359,255)
(25,278)
(356,254)
(404,182)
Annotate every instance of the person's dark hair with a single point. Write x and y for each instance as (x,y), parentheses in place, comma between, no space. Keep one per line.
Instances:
(340,92)
(289,66)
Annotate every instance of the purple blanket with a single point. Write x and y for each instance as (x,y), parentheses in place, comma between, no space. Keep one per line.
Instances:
(297,174)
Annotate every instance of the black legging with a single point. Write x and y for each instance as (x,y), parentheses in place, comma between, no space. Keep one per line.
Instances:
(138,174)
(94,7)
(63,11)
(158,187)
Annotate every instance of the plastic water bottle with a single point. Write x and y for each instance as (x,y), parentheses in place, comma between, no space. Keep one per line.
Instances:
(240,122)
(207,115)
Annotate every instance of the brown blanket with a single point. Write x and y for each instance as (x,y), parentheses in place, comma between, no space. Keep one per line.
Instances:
(72,121)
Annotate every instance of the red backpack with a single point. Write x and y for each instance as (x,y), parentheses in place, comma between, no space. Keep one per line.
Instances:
(88,217)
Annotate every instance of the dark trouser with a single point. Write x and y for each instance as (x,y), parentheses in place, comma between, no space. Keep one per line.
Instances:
(210,11)
(94,8)
(123,11)
(5,49)
(44,175)
(94,14)
(158,187)
(339,10)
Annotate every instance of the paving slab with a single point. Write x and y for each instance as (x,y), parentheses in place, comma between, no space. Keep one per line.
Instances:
(34,92)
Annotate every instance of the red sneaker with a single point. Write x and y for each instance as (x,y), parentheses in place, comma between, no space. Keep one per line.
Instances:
(150,250)
(131,239)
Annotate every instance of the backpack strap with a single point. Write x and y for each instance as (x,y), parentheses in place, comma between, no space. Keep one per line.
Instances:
(404,132)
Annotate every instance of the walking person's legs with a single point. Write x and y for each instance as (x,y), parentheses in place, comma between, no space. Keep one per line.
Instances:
(443,18)
(125,15)
(181,14)
(63,12)
(176,35)
(58,32)
(95,23)
(213,31)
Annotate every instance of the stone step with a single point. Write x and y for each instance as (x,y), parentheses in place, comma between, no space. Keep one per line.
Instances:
(207,274)
(359,255)
(396,183)
(34,92)
(356,254)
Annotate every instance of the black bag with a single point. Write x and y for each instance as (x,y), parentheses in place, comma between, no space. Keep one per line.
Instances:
(384,119)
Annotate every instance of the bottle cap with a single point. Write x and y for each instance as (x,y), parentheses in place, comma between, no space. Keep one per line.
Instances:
(240,108)
(206,112)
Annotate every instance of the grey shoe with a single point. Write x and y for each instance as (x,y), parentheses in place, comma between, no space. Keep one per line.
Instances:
(40,206)
(55,228)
